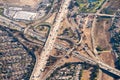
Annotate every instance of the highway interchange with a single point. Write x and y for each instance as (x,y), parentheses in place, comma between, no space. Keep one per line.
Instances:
(50,43)
(41,62)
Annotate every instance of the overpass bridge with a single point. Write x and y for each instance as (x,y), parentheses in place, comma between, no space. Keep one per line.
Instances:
(76,54)
(109,68)
(97,62)
(42,60)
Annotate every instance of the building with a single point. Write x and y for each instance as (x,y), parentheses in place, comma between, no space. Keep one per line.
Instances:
(24,15)
(17,13)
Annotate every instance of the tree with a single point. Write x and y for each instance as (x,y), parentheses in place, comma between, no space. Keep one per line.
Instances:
(118,63)
(99,48)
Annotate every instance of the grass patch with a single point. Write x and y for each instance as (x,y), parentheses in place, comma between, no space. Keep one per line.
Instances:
(87,6)
(1,11)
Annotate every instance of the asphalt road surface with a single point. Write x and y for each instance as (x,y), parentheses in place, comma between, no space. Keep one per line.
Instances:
(42,60)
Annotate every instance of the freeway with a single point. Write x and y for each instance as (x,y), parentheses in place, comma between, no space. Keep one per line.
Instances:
(61,61)
(96,62)
(76,54)
(51,39)
(42,59)
(58,64)
(12,24)
(92,33)
(88,51)
(22,28)
(35,34)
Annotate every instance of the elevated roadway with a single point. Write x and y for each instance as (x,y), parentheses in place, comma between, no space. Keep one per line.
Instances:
(61,61)
(58,64)
(42,60)
(12,24)
(97,62)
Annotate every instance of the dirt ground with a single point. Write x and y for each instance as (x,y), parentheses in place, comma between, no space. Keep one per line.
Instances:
(102,38)
(86,75)
(87,37)
(111,7)
(107,58)
(31,3)
(72,59)
(101,33)
(51,18)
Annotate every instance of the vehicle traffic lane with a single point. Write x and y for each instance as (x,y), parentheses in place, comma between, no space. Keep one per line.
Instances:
(41,63)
